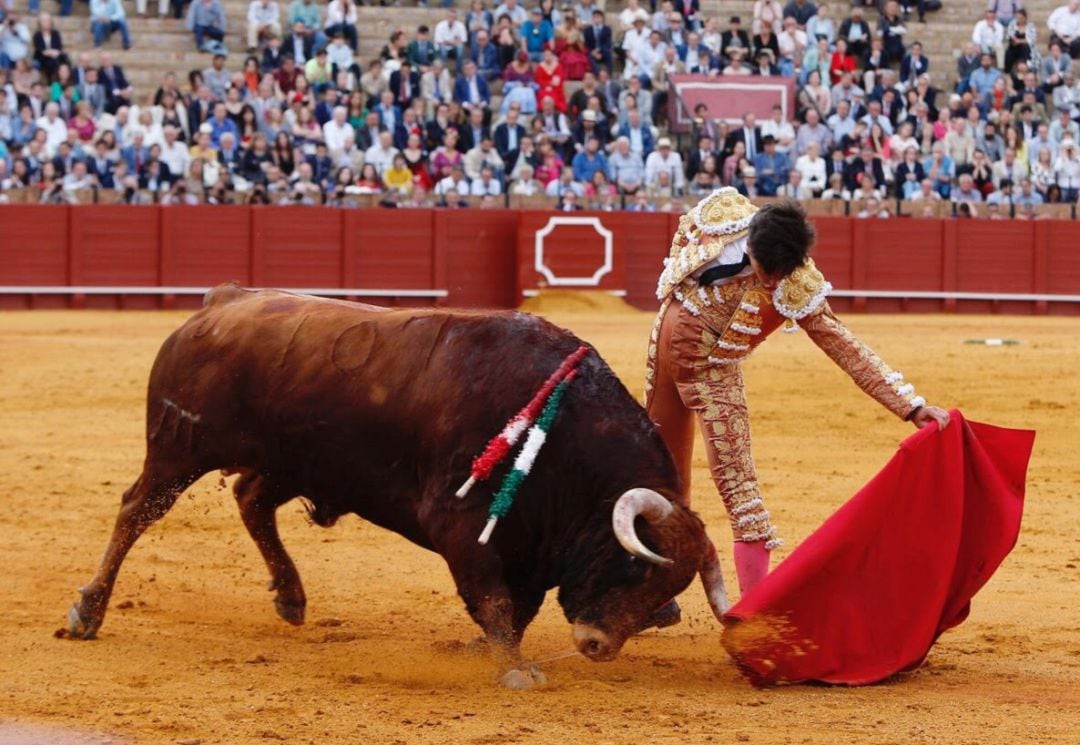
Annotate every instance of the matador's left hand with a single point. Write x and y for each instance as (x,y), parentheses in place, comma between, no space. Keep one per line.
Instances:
(927,414)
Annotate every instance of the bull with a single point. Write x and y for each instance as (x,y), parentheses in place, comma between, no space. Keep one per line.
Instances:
(378,412)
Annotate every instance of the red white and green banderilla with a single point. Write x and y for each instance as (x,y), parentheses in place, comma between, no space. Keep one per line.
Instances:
(513,480)
(499,446)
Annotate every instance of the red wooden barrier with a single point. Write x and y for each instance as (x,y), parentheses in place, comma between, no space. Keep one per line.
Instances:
(123,256)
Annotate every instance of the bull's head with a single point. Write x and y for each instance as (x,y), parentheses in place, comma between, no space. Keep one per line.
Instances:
(614,584)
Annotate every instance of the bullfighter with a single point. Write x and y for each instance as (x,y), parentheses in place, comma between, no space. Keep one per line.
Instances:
(734,274)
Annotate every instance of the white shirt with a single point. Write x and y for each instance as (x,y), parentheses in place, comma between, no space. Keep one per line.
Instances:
(448,186)
(335,14)
(813,171)
(336,135)
(376,156)
(627,16)
(780,132)
(987,35)
(260,15)
(672,164)
(176,157)
(55,133)
(1064,23)
(491,188)
(445,33)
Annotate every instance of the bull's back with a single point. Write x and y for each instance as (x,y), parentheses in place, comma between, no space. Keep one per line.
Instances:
(277,366)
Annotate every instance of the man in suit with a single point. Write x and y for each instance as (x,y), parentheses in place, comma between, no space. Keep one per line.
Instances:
(102,166)
(368,135)
(866,166)
(408,126)
(298,45)
(508,137)
(474,132)
(485,55)
(608,89)
(471,90)
(136,154)
(749,135)
(695,56)
(437,126)
(689,10)
(272,55)
(598,41)
(697,157)
(116,85)
(405,84)
(913,65)
(421,50)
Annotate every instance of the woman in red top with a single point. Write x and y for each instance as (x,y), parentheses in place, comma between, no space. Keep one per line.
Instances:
(841,62)
(83,122)
(551,77)
(572,55)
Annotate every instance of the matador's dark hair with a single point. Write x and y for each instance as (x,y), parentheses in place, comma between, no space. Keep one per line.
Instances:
(780,237)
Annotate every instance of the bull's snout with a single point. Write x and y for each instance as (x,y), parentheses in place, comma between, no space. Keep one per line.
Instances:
(594,643)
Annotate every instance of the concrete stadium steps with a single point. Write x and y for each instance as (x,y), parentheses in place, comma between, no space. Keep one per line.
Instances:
(163,44)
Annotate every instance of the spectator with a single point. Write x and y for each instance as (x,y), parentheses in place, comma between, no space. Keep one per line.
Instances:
(630,14)
(1020,39)
(537,34)
(217,78)
(779,128)
(107,17)
(865,171)
(821,26)
(454,186)
(513,10)
(221,124)
(421,51)
(626,169)
(305,19)
(795,188)
(1042,172)
(811,167)
(989,36)
(856,32)
(341,18)
(813,131)
(340,57)
(800,10)
(485,55)
(913,65)
(633,41)
(1063,127)
(1064,25)
(263,21)
(381,154)
(982,81)
(48,48)
(598,41)
(589,161)
(338,129)
(873,207)
(749,135)
(206,19)
(891,30)
(746,183)
(483,155)
(965,190)
(54,127)
(967,63)
(768,14)
(772,167)
(450,39)
(836,189)
(697,158)
(792,43)
(664,158)
(564,184)
(526,185)
(471,91)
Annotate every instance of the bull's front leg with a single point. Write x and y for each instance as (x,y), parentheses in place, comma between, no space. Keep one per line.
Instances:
(501,613)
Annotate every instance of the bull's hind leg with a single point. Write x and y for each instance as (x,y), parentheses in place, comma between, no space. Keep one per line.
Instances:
(258,500)
(146,502)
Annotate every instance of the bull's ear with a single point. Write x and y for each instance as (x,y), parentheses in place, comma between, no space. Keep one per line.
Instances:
(650,505)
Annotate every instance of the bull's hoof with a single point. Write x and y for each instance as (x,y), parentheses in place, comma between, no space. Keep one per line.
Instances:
(523,680)
(291,612)
(79,627)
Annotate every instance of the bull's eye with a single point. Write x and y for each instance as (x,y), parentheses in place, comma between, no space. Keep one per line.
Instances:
(594,646)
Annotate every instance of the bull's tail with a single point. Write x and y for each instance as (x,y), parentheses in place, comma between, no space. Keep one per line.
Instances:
(224,293)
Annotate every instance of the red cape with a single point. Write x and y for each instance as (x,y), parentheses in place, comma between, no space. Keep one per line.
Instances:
(870,591)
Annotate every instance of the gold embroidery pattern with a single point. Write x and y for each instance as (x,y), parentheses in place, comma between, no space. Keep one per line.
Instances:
(654,340)
(862,364)
(800,293)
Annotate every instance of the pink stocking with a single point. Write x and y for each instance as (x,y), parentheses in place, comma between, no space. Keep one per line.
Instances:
(751,564)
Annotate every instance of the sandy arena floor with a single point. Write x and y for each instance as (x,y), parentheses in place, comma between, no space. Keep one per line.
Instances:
(192,651)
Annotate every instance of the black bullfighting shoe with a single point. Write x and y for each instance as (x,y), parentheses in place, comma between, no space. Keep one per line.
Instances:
(666,615)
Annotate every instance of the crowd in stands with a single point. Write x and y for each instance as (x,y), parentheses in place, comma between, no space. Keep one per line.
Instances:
(568,101)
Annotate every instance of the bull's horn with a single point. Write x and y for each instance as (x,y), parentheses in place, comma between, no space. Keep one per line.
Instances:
(650,505)
(712,579)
